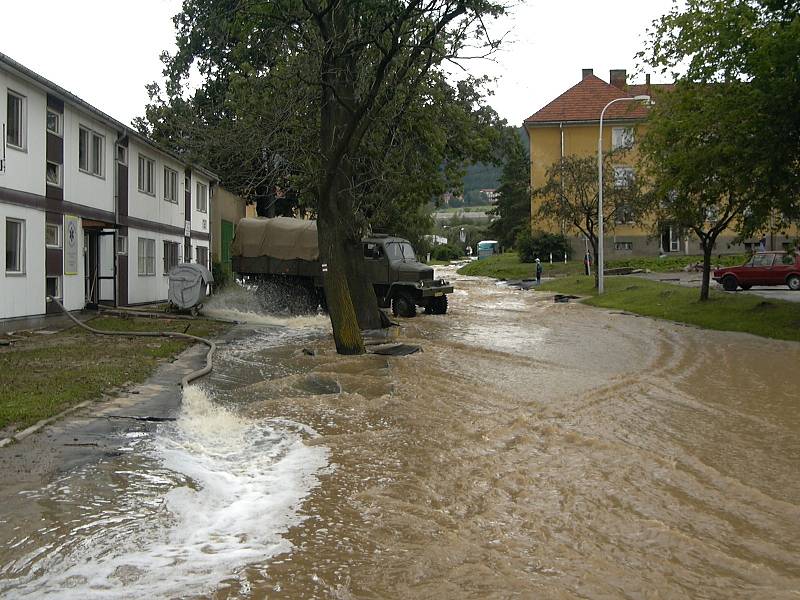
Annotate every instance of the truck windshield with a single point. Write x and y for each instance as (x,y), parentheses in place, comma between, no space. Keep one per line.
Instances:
(400,251)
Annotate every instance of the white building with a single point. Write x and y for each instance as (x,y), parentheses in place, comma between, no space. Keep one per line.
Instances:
(91,211)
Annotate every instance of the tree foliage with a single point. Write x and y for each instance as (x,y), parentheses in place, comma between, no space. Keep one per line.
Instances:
(723,148)
(570,196)
(342,102)
(513,207)
(697,153)
(755,42)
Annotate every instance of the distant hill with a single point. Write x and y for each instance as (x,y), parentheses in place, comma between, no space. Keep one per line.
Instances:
(481,176)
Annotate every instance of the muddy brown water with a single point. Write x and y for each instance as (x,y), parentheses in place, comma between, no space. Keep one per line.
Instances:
(532,450)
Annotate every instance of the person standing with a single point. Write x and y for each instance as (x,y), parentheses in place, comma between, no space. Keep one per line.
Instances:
(538,271)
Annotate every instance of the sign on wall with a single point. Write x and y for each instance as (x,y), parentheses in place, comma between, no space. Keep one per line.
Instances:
(71,239)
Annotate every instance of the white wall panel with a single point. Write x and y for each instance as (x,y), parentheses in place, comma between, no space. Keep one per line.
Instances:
(81,187)
(147,288)
(23,294)
(25,169)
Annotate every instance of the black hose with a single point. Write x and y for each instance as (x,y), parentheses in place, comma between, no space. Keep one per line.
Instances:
(170,334)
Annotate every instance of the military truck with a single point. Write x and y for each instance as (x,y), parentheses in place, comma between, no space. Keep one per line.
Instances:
(287,249)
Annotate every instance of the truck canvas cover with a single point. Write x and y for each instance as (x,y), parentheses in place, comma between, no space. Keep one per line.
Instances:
(281,237)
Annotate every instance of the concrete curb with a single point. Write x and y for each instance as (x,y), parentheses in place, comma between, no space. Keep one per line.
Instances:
(17,437)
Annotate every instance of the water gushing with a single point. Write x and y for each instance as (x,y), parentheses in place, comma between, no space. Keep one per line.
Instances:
(210,494)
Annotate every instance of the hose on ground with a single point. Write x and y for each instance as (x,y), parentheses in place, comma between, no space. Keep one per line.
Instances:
(170,334)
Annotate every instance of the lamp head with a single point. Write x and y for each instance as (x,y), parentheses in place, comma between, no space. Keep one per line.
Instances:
(644,98)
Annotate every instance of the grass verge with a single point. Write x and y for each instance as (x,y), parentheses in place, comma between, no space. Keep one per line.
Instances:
(42,375)
(723,311)
(508,265)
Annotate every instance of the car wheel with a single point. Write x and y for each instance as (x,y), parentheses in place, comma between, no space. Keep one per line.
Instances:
(437,306)
(793,281)
(745,286)
(403,305)
(729,283)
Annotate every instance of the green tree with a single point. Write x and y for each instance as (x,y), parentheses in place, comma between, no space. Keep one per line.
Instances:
(569,196)
(697,154)
(324,82)
(756,42)
(513,207)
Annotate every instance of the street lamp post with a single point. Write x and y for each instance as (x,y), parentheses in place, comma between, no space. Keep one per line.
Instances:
(600,265)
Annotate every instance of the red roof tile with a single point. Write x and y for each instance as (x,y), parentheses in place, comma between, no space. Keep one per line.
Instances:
(585,100)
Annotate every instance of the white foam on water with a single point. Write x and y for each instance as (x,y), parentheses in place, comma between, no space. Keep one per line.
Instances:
(237,303)
(237,488)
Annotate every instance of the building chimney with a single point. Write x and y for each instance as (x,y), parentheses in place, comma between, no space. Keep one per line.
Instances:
(618,78)
(586,72)
(647,80)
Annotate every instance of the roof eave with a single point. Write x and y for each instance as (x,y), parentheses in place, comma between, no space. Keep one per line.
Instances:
(529,123)
(122,129)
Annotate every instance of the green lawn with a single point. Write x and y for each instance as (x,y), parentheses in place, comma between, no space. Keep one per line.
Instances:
(723,311)
(508,266)
(41,375)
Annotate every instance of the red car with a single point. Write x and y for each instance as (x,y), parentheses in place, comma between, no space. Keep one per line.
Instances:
(763,268)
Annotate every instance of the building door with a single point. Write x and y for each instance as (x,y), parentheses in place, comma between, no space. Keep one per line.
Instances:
(225,246)
(100,267)
(91,250)
(670,239)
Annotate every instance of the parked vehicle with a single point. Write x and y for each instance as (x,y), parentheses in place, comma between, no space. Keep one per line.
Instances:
(488,248)
(763,268)
(287,249)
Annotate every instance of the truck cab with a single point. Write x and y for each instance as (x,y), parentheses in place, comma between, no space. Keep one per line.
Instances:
(400,280)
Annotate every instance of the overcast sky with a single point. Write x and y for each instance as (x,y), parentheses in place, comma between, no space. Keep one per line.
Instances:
(105,51)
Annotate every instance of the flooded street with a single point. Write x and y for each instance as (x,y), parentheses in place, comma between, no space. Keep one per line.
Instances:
(531,450)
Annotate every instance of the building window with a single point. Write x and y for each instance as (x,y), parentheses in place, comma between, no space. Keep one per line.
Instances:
(624,214)
(170,185)
(90,152)
(53,286)
(122,244)
(16,121)
(202,197)
(201,254)
(623,177)
(15,246)
(53,174)
(52,235)
(623,245)
(53,122)
(621,137)
(147,175)
(147,256)
(122,155)
(171,256)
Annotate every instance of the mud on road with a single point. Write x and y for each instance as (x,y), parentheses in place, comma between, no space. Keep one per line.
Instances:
(532,450)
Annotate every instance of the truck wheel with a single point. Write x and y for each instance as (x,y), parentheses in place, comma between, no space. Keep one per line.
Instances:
(437,306)
(793,281)
(729,283)
(403,305)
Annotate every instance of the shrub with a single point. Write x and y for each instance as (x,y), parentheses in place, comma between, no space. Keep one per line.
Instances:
(222,275)
(446,252)
(540,244)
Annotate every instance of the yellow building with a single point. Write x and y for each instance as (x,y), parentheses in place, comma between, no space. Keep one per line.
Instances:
(569,125)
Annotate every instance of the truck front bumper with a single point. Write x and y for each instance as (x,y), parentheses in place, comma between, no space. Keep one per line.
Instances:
(435,288)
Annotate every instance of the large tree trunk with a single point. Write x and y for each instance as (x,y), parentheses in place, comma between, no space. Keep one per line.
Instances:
(331,232)
(708,248)
(335,224)
(362,293)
